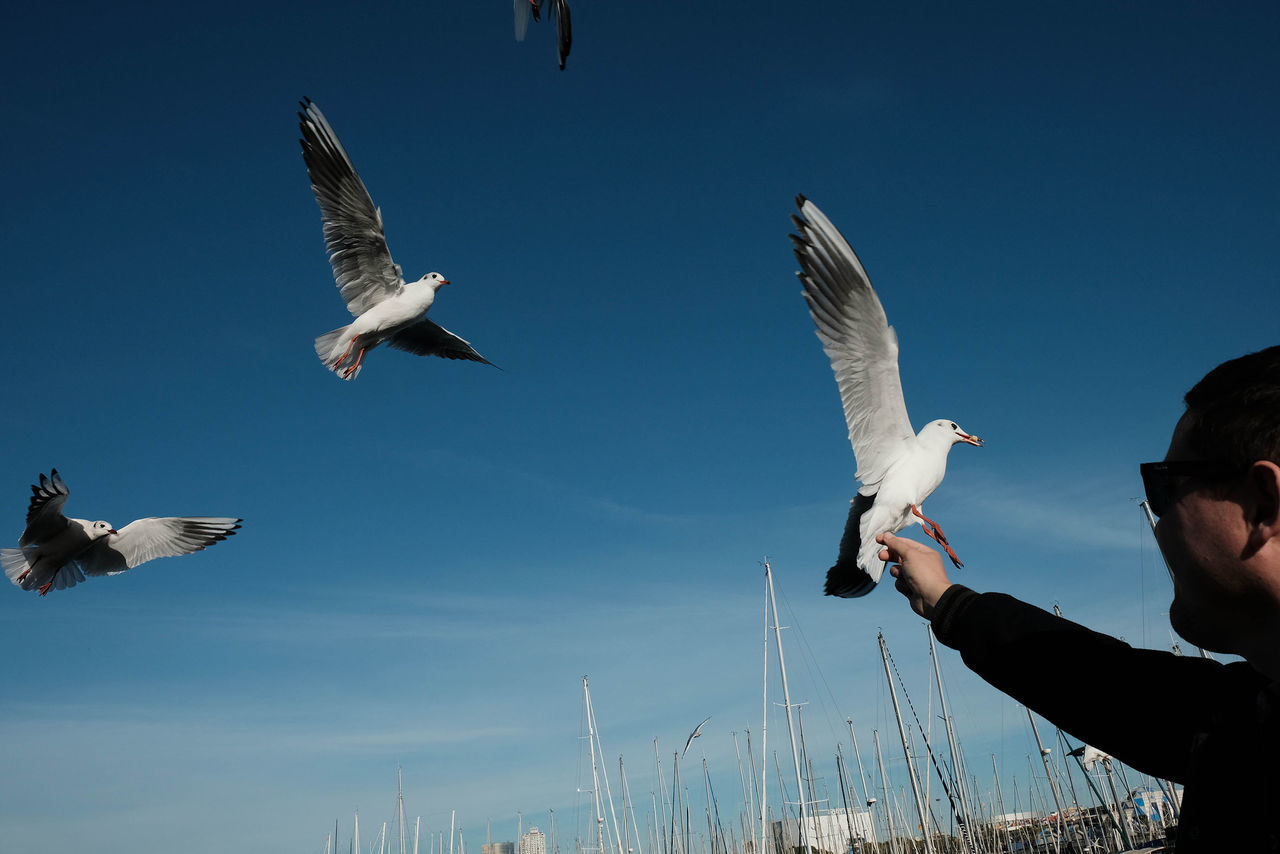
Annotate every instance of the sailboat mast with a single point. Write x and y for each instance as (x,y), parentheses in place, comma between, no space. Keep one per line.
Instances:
(884,786)
(595,773)
(1053,783)
(764,722)
(862,775)
(400,808)
(746,792)
(660,799)
(957,762)
(786,699)
(626,804)
(906,749)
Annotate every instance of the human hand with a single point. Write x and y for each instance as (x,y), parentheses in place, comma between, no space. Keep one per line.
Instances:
(918,570)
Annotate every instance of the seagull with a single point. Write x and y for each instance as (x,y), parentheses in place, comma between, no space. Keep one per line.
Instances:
(697,731)
(898,468)
(57,552)
(386,307)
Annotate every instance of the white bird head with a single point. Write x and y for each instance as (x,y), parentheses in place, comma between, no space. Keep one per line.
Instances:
(100,529)
(948,432)
(435,280)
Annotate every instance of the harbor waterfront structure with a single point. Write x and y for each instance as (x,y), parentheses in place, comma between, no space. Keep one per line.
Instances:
(533,842)
(499,847)
(826,830)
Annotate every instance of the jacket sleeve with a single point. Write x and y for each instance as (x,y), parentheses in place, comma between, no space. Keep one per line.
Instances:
(1145,707)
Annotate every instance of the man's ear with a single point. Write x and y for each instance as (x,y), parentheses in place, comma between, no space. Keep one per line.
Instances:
(1264,483)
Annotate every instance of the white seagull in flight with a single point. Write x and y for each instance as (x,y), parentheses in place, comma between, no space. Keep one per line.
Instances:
(56,552)
(386,307)
(697,731)
(898,468)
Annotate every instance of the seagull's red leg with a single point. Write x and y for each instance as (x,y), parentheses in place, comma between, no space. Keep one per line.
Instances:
(346,352)
(45,588)
(351,370)
(935,533)
(23,576)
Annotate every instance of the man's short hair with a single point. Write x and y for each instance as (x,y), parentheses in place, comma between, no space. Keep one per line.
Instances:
(1233,414)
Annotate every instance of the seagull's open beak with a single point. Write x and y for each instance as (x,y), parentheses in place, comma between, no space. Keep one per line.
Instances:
(972,440)
(112,531)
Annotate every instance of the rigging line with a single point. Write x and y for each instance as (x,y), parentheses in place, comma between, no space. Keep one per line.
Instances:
(811,665)
(965,830)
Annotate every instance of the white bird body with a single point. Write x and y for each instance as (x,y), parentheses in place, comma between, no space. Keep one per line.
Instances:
(56,552)
(917,471)
(386,308)
(898,468)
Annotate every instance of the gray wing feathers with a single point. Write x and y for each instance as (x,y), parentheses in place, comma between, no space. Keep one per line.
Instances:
(44,514)
(857,338)
(353,234)
(151,538)
(427,338)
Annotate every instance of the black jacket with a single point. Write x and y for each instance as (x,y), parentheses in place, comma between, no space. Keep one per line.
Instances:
(1213,727)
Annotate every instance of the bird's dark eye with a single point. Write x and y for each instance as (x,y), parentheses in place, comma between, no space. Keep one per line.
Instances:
(953,426)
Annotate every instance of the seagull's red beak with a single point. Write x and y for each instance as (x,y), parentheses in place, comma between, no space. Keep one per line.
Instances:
(444,281)
(972,440)
(112,531)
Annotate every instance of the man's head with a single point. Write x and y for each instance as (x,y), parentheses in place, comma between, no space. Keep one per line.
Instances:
(1220,530)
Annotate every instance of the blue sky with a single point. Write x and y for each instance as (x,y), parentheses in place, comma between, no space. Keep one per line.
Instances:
(1069,211)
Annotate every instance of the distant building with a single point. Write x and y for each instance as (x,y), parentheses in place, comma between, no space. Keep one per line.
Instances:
(533,842)
(499,848)
(826,830)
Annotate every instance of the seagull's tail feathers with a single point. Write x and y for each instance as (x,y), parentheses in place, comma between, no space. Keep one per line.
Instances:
(854,574)
(14,563)
(331,347)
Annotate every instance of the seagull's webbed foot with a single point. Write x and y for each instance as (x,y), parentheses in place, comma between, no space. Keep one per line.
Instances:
(23,577)
(45,588)
(935,533)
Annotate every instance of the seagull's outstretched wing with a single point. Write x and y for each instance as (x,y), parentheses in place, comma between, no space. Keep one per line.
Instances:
(857,338)
(697,731)
(427,338)
(846,579)
(353,234)
(150,538)
(44,515)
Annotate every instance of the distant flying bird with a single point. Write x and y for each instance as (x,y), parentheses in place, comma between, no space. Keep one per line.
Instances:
(386,307)
(57,552)
(898,468)
(697,731)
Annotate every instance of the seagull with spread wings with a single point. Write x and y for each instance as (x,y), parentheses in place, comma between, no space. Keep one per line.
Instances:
(55,552)
(897,467)
(386,307)
(697,731)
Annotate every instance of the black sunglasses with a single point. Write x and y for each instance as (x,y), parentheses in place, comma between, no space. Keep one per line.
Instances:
(1157,478)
